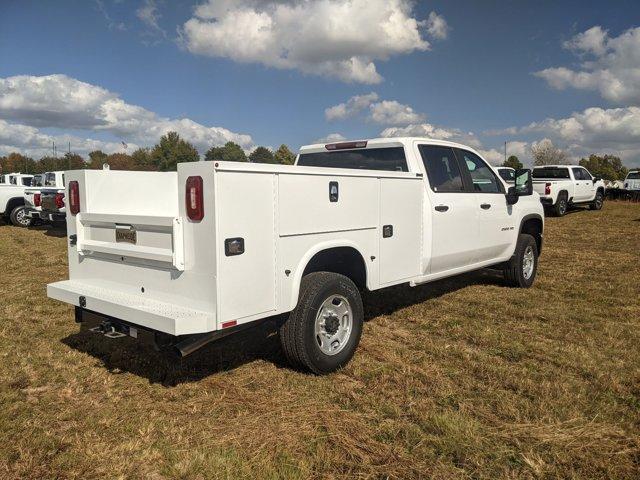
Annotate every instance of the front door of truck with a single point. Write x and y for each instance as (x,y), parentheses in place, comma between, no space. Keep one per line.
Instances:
(496,224)
(453,210)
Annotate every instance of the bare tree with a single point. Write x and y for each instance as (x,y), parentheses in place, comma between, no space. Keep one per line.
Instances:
(545,152)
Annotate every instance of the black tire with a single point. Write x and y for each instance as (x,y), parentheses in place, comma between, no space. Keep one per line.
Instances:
(514,271)
(562,203)
(18,217)
(597,202)
(298,335)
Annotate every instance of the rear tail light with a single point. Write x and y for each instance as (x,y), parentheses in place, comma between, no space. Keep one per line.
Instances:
(547,189)
(37,201)
(59,200)
(194,200)
(74,198)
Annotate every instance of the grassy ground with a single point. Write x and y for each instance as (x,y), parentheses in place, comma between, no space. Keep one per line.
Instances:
(461,378)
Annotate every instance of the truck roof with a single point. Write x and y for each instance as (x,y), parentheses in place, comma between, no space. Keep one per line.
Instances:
(382,142)
(555,166)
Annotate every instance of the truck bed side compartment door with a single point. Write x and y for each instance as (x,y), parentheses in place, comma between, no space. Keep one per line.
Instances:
(400,232)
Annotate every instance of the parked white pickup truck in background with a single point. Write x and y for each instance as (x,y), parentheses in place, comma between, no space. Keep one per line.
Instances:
(12,205)
(194,255)
(16,179)
(33,194)
(632,181)
(562,186)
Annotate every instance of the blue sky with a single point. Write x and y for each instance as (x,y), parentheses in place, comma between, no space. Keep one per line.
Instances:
(461,70)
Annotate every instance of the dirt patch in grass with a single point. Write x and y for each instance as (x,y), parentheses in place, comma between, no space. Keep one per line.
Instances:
(460,378)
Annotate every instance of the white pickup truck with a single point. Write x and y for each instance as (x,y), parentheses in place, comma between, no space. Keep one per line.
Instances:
(563,186)
(632,180)
(17,179)
(193,255)
(12,200)
(45,201)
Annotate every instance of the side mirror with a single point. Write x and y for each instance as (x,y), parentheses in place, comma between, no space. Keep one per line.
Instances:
(524,182)
(596,179)
(512,196)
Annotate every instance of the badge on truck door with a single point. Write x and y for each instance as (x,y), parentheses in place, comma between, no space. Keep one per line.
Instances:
(126,234)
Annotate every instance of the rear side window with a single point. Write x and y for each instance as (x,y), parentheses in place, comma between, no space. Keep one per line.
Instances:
(442,168)
(577,174)
(550,172)
(390,159)
(482,177)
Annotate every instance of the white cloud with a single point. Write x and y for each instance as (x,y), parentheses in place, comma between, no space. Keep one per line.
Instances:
(385,112)
(336,38)
(148,14)
(437,26)
(612,67)
(594,130)
(351,107)
(390,112)
(32,142)
(60,101)
(332,137)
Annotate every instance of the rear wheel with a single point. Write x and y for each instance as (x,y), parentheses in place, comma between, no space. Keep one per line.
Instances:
(560,208)
(323,332)
(521,270)
(597,202)
(19,217)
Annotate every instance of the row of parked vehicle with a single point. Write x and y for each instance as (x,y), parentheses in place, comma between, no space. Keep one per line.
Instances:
(25,199)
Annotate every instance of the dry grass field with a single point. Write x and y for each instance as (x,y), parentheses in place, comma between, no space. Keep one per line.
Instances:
(463,378)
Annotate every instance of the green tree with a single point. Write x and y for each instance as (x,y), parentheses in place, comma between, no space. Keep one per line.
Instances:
(284,156)
(608,167)
(72,161)
(97,158)
(231,152)
(512,162)
(142,159)
(262,155)
(172,150)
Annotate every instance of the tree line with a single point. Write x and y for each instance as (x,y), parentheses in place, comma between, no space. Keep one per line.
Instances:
(163,157)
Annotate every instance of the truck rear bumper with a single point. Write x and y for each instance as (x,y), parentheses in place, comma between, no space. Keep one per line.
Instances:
(144,312)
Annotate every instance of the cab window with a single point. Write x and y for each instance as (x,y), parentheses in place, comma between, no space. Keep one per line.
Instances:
(442,168)
(483,180)
(577,174)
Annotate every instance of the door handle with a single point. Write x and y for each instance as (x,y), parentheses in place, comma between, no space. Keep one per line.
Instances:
(442,208)
(485,206)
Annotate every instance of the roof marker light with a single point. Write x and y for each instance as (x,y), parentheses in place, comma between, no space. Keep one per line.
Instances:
(346,145)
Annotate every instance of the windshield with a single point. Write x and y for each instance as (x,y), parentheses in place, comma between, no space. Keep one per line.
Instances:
(550,172)
(633,176)
(507,174)
(389,159)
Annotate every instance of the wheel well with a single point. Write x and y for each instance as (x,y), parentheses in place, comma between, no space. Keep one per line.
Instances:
(346,261)
(533,227)
(13,203)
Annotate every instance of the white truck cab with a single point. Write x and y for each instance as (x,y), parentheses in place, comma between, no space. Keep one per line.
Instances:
(563,186)
(632,180)
(194,255)
(16,179)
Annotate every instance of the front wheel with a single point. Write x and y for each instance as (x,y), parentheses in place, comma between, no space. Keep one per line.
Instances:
(19,217)
(323,332)
(597,202)
(521,270)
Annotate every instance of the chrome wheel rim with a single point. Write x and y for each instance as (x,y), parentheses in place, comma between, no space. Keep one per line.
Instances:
(333,325)
(599,201)
(563,206)
(21,218)
(528,262)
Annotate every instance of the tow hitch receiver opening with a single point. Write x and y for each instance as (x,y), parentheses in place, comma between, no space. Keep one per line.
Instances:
(115,330)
